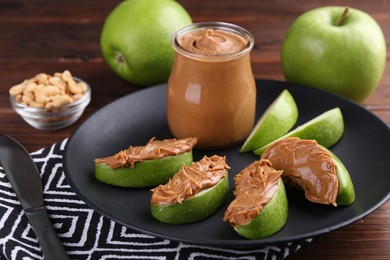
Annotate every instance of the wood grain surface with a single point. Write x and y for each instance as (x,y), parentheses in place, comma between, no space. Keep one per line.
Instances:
(49,36)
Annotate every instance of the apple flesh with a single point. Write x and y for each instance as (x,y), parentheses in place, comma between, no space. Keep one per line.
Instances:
(340,52)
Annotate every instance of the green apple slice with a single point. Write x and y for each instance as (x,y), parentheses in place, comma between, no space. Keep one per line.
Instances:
(146,173)
(196,208)
(271,218)
(326,129)
(346,191)
(277,120)
(304,165)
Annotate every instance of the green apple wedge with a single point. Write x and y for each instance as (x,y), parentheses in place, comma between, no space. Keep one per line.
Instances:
(271,218)
(146,173)
(346,191)
(260,206)
(303,163)
(277,120)
(326,129)
(194,209)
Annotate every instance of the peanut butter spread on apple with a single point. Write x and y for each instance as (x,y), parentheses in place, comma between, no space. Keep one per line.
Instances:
(307,165)
(255,187)
(212,42)
(154,149)
(190,180)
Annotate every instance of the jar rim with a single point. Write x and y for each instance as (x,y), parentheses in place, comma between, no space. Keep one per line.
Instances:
(229,27)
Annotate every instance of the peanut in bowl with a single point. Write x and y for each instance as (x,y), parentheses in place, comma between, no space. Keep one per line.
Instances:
(50,108)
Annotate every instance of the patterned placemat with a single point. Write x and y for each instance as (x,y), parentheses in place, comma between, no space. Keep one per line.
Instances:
(87,234)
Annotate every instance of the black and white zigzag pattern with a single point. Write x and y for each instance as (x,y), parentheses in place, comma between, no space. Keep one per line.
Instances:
(88,235)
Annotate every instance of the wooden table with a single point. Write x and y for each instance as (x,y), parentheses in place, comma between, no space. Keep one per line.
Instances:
(50,36)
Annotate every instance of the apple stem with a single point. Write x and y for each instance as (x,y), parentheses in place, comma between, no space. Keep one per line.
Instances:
(342,17)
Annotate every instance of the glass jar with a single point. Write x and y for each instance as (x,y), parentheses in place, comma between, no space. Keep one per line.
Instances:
(211,91)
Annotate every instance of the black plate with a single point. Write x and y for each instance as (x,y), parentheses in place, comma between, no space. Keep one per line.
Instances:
(135,118)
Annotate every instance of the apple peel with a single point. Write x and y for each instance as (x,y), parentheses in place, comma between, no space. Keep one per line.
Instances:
(346,190)
(270,220)
(280,116)
(193,209)
(146,173)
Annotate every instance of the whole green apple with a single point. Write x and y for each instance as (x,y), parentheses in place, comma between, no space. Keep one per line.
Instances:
(136,39)
(337,49)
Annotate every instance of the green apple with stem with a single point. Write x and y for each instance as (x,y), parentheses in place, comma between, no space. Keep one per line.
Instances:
(326,128)
(136,39)
(277,120)
(337,49)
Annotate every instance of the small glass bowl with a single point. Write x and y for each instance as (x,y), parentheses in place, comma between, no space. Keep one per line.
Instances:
(56,117)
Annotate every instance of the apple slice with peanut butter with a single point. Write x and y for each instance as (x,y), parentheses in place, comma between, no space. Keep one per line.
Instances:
(145,166)
(194,193)
(260,206)
(312,168)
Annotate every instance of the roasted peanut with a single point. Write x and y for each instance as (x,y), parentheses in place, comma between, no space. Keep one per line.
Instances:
(27,99)
(62,100)
(77,96)
(29,87)
(36,104)
(83,86)
(73,87)
(58,82)
(50,90)
(42,78)
(18,98)
(17,89)
(42,99)
(67,76)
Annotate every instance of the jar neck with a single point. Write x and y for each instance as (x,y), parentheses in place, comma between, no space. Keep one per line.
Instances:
(214,50)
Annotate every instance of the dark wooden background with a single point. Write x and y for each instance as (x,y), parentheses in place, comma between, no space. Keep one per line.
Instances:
(54,35)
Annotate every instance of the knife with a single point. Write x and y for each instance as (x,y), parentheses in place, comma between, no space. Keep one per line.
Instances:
(23,175)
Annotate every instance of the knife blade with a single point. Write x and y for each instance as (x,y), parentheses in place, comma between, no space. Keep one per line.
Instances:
(25,180)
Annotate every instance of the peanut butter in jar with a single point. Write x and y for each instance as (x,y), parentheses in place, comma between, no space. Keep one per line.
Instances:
(211,91)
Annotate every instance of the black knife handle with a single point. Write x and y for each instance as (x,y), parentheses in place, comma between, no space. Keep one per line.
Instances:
(51,245)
